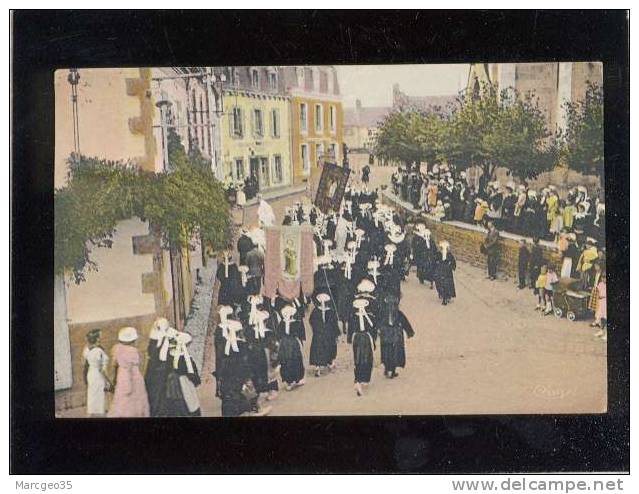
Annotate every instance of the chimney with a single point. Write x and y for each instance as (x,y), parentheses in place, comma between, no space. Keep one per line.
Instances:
(358,104)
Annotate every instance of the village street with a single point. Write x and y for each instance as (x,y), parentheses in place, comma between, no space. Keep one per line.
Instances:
(488,352)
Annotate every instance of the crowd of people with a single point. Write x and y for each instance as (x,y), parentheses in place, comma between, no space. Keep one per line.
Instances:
(363,252)
(361,256)
(167,388)
(518,209)
(575,225)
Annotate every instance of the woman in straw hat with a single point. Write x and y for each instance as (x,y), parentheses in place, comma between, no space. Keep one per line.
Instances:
(130,398)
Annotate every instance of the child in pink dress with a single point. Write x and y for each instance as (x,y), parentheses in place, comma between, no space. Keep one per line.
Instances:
(129,398)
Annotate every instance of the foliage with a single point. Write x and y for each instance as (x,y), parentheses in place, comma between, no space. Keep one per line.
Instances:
(184,204)
(410,137)
(488,128)
(500,128)
(584,136)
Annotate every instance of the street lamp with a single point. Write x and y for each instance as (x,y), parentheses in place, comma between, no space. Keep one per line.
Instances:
(74,79)
(164,105)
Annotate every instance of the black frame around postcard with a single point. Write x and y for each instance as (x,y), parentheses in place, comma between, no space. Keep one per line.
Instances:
(43,41)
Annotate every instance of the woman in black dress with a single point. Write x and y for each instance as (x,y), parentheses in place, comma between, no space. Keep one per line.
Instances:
(363,344)
(157,367)
(181,399)
(323,321)
(392,326)
(290,350)
(234,373)
(444,280)
(424,254)
(230,281)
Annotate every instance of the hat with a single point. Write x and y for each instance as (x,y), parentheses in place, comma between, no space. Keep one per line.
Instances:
(360,303)
(161,323)
(373,264)
(225,310)
(351,245)
(234,325)
(243,269)
(366,286)
(390,248)
(262,315)
(288,310)
(183,338)
(127,335)
(323,297)
(396,238)
(359,232)
(325,259)
(462,174)
(591,240)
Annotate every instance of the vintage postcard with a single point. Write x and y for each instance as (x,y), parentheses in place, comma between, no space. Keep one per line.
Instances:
(330,240)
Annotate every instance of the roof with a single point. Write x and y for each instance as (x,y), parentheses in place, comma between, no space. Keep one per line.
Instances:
(365,117)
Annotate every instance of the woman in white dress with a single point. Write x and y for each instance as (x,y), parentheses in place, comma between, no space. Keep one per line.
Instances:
(96,361)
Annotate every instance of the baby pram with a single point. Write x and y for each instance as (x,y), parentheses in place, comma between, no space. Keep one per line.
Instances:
(570,300)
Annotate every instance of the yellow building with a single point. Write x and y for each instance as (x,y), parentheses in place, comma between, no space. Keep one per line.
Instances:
(255,130)
(317,117)
(117,119)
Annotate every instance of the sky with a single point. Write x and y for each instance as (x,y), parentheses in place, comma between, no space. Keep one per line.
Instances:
(373,84)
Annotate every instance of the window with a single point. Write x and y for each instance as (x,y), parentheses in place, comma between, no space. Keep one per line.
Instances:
(333,119)
(319,118)
(233,76)
(239,168)
(303,117)
(272,80)
(306,166)
(275,123)
(300,76)
(258,124)
(278,175)
(255,78)
(332,150)
(319,151)
(315,78)
(237,127)
(264,172)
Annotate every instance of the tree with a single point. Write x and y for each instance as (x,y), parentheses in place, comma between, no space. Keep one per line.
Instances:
(519,139)
(410,137)
(183,204)
(492,128)
(584,135)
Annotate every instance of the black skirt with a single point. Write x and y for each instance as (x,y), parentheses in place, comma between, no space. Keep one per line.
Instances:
(291,359)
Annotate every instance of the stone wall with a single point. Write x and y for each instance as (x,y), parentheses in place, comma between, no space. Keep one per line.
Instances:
(465,240)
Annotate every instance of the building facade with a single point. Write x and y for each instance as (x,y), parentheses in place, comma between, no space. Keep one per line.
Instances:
(360,126)
(317,117)
(116,117)
(255,126)
(553,83)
